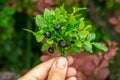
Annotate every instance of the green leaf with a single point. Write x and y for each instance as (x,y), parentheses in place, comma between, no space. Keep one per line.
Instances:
(78,43)
(76,49)
(44,46)
(83,8)
(76,25)
(72,20)
(83,34)
(72,27)
(91,37)
(39,36)
(50,41)
(57,13)
(50,27)
(81,25)
(88,46)
(46,14)
(100,46)
(52,12)
(88,27)
(69,28)
(28,30)
(62,20)
(40,21)
(75,9)
(63,11)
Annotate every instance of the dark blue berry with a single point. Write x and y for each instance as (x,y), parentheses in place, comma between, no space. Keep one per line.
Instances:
(51,50)
(57,26)
(62,43)
(47,34)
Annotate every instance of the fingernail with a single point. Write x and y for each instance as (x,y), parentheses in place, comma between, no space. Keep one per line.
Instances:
(61,63)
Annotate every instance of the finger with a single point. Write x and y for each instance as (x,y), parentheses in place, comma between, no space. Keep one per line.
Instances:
(42,70)
(46,57)
(59,69)
(70,60)
(39,72)
(57,53)
(71,72)
(72,78)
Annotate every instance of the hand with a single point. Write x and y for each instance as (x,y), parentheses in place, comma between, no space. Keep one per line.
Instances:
(53,69)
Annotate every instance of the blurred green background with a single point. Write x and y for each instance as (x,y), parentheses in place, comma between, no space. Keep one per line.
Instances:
(19,50)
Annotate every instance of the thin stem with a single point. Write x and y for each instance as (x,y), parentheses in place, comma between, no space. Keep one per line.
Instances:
(63,53)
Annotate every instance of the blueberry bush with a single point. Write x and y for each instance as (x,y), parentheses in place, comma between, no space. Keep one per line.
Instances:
(19,50)
(65,32)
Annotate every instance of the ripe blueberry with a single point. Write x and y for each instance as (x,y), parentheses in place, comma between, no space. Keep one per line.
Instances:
(47,34)
(51,50)
(57,26)
(62,43)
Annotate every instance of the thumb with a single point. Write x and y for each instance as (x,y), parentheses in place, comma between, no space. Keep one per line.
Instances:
(59,69)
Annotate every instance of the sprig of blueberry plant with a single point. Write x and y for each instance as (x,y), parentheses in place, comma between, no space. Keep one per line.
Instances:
(65,32)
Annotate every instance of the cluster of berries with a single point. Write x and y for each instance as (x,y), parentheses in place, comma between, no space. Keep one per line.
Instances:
(62,43)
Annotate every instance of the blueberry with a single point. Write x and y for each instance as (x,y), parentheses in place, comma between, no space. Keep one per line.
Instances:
(51,50)
(57,26)
(62,43)
(47,34)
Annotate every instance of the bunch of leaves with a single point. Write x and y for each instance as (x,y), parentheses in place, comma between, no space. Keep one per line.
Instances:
(73,30)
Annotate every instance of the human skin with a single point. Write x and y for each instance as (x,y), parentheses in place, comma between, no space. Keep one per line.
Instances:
(54,69)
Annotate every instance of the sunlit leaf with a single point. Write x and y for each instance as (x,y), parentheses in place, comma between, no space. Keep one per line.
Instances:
(72,20)
(39,36)
(100,46)
(88,46)
(50,41)
(40,21)
(91,37)
(78,43)
(81,25)
(46,14)
(88,27)
(28,30)
(57,13)
(44,46)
